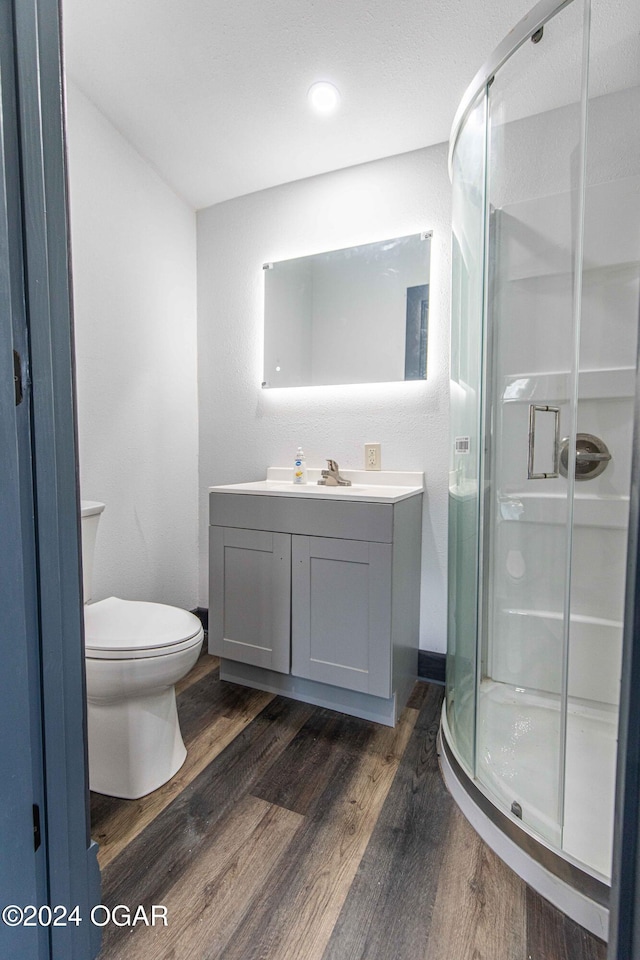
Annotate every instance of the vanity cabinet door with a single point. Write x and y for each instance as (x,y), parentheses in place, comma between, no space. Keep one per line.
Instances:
(250,590)
(341,613)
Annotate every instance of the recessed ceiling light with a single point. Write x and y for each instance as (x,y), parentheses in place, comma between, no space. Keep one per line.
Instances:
(323,96)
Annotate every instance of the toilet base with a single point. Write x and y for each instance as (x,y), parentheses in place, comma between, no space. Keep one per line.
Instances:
(135,745)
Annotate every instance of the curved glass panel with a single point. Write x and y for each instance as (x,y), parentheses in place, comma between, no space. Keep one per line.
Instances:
(535,201)
(547,234)
(608,335)
(465,398)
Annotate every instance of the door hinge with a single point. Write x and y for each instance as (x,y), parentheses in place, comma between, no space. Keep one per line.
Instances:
(37,839)
(17,377)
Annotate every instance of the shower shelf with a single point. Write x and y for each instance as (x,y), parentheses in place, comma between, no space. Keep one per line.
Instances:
(602,384)
(551,508)
(616,272)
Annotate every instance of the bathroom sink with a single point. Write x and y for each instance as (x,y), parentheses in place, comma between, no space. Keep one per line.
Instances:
(386,487)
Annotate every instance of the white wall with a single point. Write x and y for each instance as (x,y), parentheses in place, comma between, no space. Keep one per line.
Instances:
(244,429)
(134,280)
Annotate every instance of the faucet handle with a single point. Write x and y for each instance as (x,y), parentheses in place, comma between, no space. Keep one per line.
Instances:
(331,477)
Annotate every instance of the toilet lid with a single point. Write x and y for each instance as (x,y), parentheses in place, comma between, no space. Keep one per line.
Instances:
(128,628)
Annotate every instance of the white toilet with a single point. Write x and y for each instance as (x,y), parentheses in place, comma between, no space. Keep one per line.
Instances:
(135,653)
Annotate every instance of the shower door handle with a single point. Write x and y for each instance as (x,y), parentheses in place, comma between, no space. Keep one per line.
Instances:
(583,457)
(535,408)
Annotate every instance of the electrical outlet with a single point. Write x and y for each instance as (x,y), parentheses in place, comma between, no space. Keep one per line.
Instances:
(372,456)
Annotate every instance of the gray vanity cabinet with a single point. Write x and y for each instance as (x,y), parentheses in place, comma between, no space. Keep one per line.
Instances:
(341,613)
(250,611)
(317,598)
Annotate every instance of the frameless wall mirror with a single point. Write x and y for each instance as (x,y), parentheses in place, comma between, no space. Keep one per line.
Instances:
(348,316)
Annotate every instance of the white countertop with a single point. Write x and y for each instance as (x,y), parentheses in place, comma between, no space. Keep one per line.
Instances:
(368,486)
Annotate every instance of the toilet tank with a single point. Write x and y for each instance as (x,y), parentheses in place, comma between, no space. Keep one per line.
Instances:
(89,518)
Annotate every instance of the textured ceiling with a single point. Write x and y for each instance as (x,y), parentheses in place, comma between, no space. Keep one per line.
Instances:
(213,92)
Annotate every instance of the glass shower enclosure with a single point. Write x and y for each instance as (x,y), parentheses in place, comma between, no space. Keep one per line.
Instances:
(545,168)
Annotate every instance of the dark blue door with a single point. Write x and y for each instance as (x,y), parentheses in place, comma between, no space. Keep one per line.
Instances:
(23,868)
(48,866)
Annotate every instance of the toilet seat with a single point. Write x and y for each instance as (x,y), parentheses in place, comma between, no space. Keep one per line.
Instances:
(118,629)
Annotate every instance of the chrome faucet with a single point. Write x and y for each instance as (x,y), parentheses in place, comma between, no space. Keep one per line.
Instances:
(332,478)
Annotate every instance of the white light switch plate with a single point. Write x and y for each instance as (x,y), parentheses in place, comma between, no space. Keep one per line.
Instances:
(372,456)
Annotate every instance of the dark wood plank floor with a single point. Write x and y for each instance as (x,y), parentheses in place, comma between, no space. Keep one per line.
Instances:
(296,833)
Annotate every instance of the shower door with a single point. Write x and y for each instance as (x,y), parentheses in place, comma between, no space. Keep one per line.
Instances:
(545,166)
(533,214)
